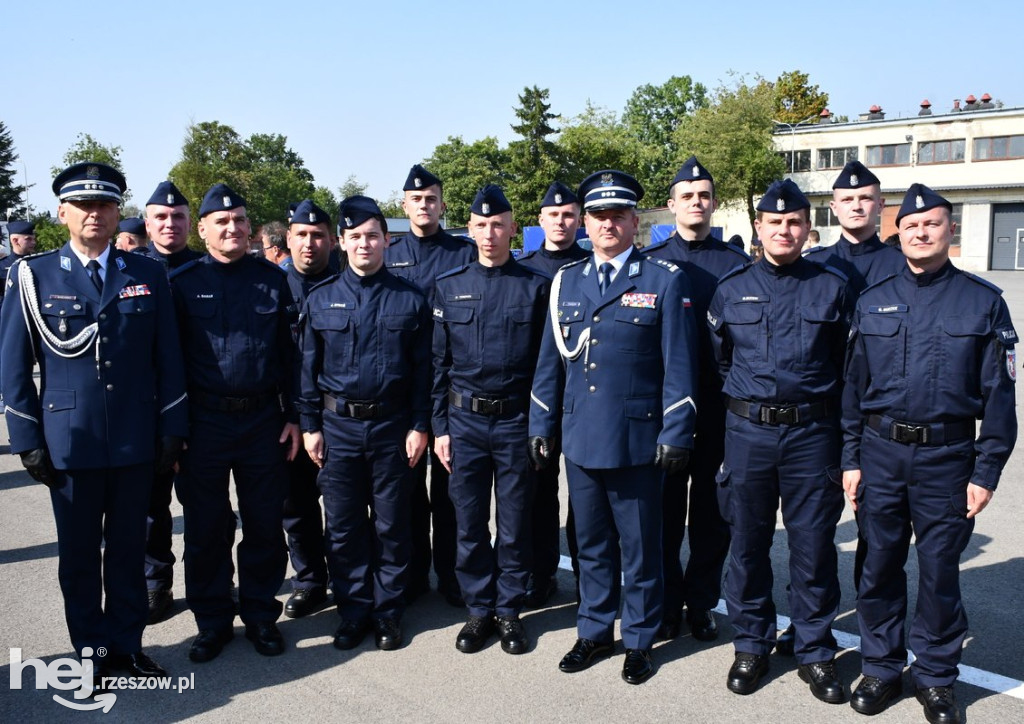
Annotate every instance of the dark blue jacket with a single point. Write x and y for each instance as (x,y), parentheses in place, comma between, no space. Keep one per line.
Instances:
(548,262)
(863,264)
(422,259)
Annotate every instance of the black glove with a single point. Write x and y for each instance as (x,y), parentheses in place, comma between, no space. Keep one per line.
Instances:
(540,451)
(40,467)
(671,459)
(168,448)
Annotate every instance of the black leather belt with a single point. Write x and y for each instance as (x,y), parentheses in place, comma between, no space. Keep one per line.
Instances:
(493,406)
(912,433)
(356,409)
(775,414)
(221,403)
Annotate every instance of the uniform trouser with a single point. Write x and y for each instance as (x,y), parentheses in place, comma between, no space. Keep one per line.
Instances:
(159,528)
(304,525)
(547,549)
(904,489)
(101,540)
(618,529)
(366,483)
(797,464)
(701,586)
(246,446)
(432,513)
(491,453)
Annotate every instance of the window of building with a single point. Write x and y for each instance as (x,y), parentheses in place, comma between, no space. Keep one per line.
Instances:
(822,218)
(998,147)
(941,151)
(836,157)
(797,160)
(897,154)
(958,215)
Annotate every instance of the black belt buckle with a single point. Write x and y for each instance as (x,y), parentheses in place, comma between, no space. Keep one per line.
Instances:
(779,415)
(486,406)
(235,404)
(362,410)
(909,434)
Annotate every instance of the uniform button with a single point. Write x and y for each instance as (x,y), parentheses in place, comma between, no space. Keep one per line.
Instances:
(593,365)
(593,342)
(105,340)
(110,388)
(107,363)
(50,405)
(636,320)
(593,389)
(597,318)
(650,414)
(103,316)
(62,312)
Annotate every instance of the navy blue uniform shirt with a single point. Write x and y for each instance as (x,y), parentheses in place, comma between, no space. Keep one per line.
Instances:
(420,259)
(779,332)
(235,327)
(863,264)
(548,261)
(487,329)
(934,347)
(365,338)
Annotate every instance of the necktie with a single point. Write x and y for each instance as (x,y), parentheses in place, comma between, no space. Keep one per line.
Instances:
(605,271)
(94,273)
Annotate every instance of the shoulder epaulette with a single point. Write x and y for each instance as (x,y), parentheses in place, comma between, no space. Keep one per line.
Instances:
(879,283)
(528,255)
(664,264)
(983,282)
(655,247)
(36,255)
(737,251)
(323,282)
(401,280)
(832,270)
(815,250)
(453,272)
(736,271)
(272,265)
(184,268)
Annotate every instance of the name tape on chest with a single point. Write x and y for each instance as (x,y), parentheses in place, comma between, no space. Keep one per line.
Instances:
(640,300)
(135,290)
(887,308)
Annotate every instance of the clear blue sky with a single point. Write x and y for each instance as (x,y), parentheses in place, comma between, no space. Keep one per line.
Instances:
(369,90)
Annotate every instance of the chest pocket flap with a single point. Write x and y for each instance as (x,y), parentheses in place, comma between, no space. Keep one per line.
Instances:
(64,308)
(137,305)
(330,319)
(400,322)
(742,313)
(820,313)
(458,314)
(202,306)
(971,326)
(637,315)
(880,325)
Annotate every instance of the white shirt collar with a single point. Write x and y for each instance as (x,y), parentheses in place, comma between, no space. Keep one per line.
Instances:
(102,258)
(617,262)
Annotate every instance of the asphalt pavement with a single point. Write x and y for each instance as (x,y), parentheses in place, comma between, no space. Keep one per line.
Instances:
(429,681)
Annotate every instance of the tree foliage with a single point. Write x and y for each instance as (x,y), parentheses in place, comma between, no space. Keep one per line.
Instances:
(87,148)
(533,158)
(733,137)
(262,168)
(595,140)
(12,196)
(351,187)
(652,115)
(796,100)
(465,168)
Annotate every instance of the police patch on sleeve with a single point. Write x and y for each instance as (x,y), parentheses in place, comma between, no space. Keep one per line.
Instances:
(1008,335)
(1011,364)
(438,313)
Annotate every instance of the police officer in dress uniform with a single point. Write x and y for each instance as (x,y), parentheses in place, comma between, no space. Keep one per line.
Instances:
(779,329)
(309,243)
(167,224)
(488,319)
(419,256)
(616,379)
(365,403)
(705,259)
(233,312)
(931,352)
(111,408)
(559,218)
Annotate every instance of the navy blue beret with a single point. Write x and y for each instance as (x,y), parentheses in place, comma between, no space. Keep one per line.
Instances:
(21,227)
(90,181)
(920,198)
(167,194)
(490,201)
(783,197)
(133,225)
(558,195)
(691,170)
(220,197)
(292,205)
(356,210)
(609,189)
(420,178)
(307,212)
(855,175)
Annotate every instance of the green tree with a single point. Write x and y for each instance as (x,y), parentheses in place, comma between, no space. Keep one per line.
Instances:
(732,136)
(391,207)
(796,100)
(652,115)
(532,159)
(12,196)
(464,169)
(596,139)
(50,233)
(326,200)
(87,148)
(351,187)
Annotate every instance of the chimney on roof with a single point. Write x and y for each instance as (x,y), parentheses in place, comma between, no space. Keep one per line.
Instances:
(926,108)
(875,113)
(986,102)
(956,106)
(971,103)
(825,116)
